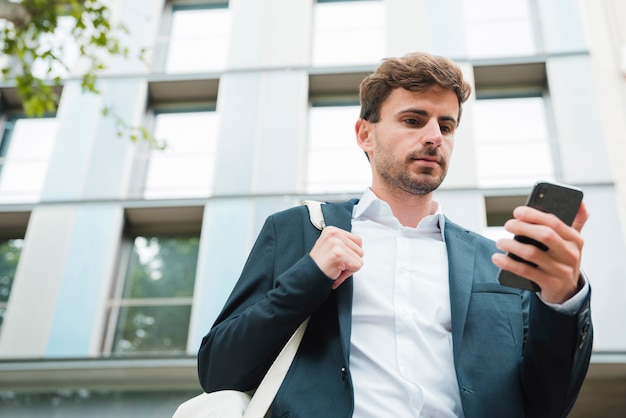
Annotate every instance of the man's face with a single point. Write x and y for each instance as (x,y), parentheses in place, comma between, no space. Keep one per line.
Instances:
(410,146)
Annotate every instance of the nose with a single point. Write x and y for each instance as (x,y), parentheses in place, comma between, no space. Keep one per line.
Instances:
(431,133)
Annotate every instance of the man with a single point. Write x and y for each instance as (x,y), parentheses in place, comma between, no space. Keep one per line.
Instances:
(407,316)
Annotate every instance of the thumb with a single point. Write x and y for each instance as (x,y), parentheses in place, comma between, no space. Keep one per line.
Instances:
(581,217)
(342,278)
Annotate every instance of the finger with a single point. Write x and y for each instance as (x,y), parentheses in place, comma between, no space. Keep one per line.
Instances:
(555,234)
(337,253)
(556,286)
(352,242)
(558,249)
(346,271)
(342,278)
(581,217)
(537,217)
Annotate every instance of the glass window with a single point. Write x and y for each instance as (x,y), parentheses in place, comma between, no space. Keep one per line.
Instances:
(151,310)
(10,251)
(25,153)
(199,38)
(335,161)
(184,169)
(499,209)
(348,32)
(513,144)
(495,28)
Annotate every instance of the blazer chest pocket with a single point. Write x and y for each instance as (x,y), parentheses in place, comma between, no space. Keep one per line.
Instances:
(495,314)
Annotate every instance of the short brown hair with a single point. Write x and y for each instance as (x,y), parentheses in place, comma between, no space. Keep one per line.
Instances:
(416,71)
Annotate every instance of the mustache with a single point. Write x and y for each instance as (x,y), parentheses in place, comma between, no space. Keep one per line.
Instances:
(430,153)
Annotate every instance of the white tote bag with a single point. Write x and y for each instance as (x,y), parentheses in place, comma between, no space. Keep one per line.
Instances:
(234,404)
(221,404)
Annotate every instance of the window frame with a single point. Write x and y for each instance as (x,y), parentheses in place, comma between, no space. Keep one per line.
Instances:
(524,79)
(142,158)
(162,44)
(323,62)
(8,122)
(534,24)
(551,135)
(147,221)
(13,227)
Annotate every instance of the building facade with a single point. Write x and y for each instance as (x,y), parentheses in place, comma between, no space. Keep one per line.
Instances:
(116,256)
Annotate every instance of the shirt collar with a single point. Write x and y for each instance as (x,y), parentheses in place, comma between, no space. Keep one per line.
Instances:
(370,207)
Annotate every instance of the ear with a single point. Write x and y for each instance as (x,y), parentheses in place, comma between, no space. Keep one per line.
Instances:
(363,138)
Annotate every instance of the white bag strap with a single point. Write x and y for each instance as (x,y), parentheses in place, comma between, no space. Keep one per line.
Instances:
(265,393)
(315,213)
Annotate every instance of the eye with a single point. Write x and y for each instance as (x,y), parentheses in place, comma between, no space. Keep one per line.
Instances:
(412,122)
(447,129)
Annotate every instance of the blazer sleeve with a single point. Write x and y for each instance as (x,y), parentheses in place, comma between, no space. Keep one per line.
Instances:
(556,358)
(279,287)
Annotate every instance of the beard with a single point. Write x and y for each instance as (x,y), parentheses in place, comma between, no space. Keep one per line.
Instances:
(398,176)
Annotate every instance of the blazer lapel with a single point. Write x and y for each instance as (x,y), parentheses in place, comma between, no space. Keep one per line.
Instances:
(460,270)
(340,215)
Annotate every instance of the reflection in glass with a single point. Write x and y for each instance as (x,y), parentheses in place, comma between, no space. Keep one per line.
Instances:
(90,402)
(153,313)
(199,39)
(152,330)
(348,33)
(10,251)
(162,267)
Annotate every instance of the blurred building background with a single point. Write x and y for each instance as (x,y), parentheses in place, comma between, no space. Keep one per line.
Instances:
(115,258)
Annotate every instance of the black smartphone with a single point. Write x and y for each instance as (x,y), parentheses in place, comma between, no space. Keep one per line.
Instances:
(560,199)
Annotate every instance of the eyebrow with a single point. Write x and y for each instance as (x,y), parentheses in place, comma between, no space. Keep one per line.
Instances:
(424,113)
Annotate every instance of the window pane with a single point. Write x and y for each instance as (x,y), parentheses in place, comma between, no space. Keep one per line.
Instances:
(335,161)
(152,330)
(348,33)
(493,10)
(26,149)
(162,267)
(10,251)
(495,28)
(185,167)
(152,314)
(513,143)
(199,40)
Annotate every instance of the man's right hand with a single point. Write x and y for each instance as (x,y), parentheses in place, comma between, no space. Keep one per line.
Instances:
(338,254)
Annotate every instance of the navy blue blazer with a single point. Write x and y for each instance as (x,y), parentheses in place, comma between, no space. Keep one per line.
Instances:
(514,356)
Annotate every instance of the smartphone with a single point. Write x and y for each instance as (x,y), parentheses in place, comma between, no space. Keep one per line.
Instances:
(560,199)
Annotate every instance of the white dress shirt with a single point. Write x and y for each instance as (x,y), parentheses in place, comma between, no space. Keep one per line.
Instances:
(401,357)
(401,344)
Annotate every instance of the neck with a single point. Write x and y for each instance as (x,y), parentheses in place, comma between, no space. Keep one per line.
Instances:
(408,208)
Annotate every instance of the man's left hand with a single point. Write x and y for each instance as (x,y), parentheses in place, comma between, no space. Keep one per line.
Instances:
(558,268)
